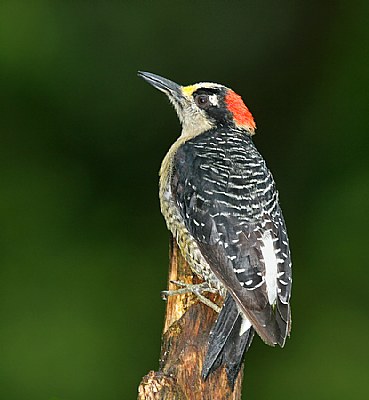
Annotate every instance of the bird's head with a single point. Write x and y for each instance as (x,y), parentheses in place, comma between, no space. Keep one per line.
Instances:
(205,105)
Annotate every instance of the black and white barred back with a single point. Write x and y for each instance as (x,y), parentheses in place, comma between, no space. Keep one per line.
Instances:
(229,204)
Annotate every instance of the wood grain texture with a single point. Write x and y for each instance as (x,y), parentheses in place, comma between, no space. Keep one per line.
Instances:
(184,343)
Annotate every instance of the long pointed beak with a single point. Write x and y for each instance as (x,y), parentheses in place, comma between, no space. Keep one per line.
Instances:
(171,89)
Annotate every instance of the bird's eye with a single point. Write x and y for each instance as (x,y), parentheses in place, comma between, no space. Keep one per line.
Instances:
(202,100)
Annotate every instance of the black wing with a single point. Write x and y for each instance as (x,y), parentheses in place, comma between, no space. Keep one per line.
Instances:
(227,198)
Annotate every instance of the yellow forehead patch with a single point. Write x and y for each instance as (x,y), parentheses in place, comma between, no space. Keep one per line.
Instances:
(188,90)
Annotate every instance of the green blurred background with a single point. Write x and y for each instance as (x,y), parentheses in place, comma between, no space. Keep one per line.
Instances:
(83,245)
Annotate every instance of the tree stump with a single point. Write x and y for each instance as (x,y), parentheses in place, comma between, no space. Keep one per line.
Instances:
(184,344)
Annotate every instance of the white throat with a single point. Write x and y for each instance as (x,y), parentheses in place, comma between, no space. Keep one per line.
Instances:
(193,120)
(194,127)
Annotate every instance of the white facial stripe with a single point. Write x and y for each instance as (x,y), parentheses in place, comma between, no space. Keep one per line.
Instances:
(213,99)
(207,85)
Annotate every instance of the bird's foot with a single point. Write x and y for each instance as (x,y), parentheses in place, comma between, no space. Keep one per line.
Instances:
(197,289)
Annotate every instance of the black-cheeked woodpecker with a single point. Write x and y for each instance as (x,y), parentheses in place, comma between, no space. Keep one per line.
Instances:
(220,203)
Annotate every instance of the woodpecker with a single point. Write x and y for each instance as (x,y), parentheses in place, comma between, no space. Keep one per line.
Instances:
(220,202)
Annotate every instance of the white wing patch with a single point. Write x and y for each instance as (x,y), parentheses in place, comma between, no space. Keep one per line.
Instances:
(271,266)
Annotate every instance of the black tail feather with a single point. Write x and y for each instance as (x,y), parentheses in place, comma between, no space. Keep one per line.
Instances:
(219,335)
(235,349)
(226,346)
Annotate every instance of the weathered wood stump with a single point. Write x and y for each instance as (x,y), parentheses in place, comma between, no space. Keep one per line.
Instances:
(184,343)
